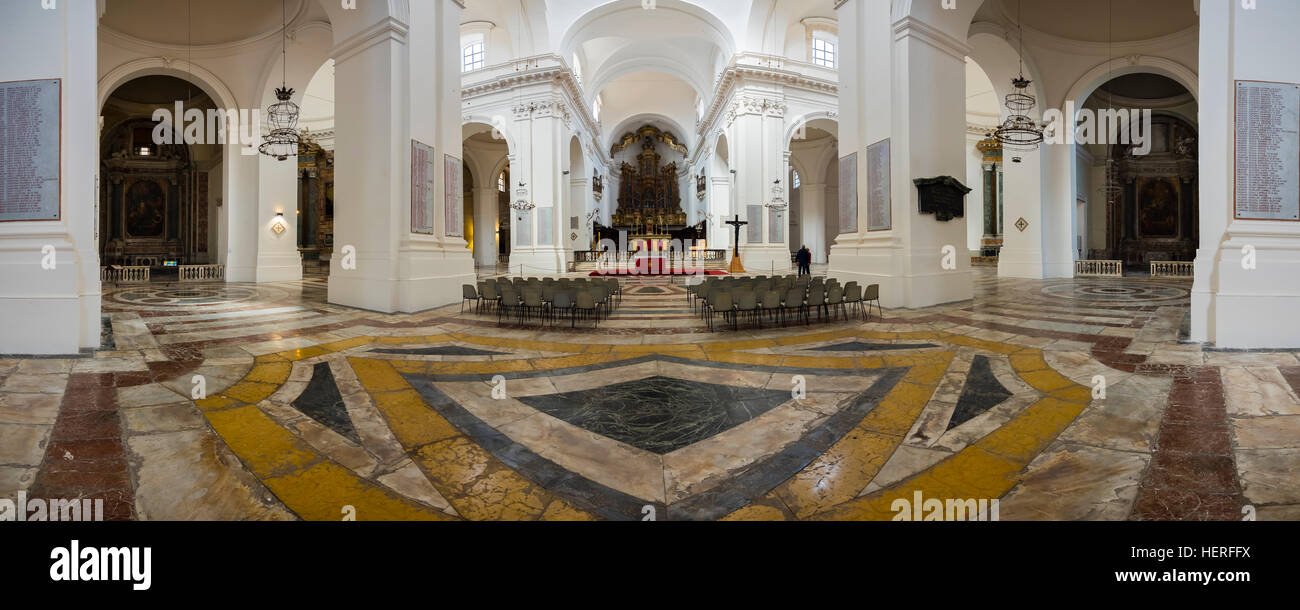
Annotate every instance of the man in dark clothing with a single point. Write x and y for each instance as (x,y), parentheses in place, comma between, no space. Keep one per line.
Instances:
(804,258)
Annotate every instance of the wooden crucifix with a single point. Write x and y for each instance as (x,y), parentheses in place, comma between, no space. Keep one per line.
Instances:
(736,267)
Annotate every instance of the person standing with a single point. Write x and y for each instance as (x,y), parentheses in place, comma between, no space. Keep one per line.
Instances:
(804,258)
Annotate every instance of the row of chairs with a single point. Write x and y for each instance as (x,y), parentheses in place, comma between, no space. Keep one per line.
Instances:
(545,299)
(781,298)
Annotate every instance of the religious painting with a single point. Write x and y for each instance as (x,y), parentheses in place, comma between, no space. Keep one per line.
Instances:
(146,208)
(1158,207)
(422,188)
(455,203)
(849,194)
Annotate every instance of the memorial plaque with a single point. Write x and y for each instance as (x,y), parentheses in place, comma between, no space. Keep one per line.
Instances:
(30,126)
(775,225)
(523,229)
(879,202)
(849,194)
(422,188)
(1267,151)
(546,226)
(455,199)
(754,230)
(945,197)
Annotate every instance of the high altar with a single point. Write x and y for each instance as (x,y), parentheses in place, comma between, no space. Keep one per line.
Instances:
(649,202)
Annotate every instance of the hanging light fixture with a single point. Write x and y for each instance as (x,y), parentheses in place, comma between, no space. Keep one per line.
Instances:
(1111,191)
(282,116)
(1019,132)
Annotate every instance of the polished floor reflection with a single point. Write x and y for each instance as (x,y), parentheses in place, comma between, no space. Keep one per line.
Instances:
(1064,399)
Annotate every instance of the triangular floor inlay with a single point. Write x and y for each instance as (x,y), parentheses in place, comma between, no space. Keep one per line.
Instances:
(322,402)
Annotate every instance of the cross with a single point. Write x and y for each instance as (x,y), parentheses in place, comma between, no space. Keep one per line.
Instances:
(738,223)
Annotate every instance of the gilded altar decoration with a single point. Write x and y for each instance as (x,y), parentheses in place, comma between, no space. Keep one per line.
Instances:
(648,199)
(651,132)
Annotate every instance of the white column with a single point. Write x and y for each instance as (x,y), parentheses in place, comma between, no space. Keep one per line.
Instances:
(923,112)
(546,190)
(1232,306)
(377,86)
(812,220)
(277,199)
(485,225)
(55,310)
(1022,251)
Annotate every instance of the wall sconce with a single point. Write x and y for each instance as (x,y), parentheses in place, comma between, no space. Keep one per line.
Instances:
(277,226)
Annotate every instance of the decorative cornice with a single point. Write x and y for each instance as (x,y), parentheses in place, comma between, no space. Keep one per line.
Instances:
(924,32)
(538,69)
(762,68)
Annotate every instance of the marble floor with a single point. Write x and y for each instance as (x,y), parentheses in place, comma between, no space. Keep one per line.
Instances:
(1062,399)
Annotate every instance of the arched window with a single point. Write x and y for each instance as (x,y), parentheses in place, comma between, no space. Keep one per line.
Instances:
(823,51)
(472,56)
(501,182)
(794,182)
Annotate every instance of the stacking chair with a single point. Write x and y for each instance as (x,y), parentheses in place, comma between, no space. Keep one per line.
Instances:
(721,304)
(771,304)
(491,294)
(561,303)
(834,300)
(794,300)
(873,296)
(853,297)
(509,303)
(585,305)
(816,300)
(468,293)
(600,295)
(746,303)
(532,302)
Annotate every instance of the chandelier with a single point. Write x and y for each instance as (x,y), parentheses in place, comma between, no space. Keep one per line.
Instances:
(1111,191)
(778,202)
(522,203)
(1019,131)
(282,116)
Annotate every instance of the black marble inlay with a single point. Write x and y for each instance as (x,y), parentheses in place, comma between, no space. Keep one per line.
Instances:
(444,350)
(659,414)
(106,340)
(715,503)
(859,346)
(650,290)
(983,391)
(322,402)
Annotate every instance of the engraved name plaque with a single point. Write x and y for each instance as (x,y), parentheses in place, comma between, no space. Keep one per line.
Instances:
(30,125)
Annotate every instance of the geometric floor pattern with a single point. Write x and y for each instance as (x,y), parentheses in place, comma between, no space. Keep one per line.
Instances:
(1063,399)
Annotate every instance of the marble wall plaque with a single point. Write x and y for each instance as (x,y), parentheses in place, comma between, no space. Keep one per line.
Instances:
(775,225)
(30,127)
(455,200)
(879,201)
(422,188)
(754,230)
(523,229)
(546,226)
(1267,151)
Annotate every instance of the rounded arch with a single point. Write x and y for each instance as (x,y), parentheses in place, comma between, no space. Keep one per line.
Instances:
(721,157)
(636,121)
(1099,75)
(497,124)
(348,22)
(818,119)
(210,83)
(953,19)
(719,32)
(993,49)
(621,67)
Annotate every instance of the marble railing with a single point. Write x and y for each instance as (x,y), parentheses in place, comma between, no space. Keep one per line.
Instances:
(1088,268)
(1172,269)
(203,273)
(124,275)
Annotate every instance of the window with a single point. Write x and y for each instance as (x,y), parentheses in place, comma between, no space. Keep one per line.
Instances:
(501,182)
(472,57)
(823,52)
(795,181)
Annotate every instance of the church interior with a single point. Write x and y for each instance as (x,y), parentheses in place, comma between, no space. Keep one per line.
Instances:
(702,260)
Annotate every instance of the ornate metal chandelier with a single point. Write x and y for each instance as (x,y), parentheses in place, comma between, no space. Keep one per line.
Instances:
(522,203)
(1019,131)
(282,116)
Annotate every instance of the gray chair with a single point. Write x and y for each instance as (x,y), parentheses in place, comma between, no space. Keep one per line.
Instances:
(794,301)
(468,294)
(532,302)
(746,303)
(508,304)
(771,304)
(722,304)
(816,300)
(835,300)
(853,297)
(871,296)
(586,305)
(561,303)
